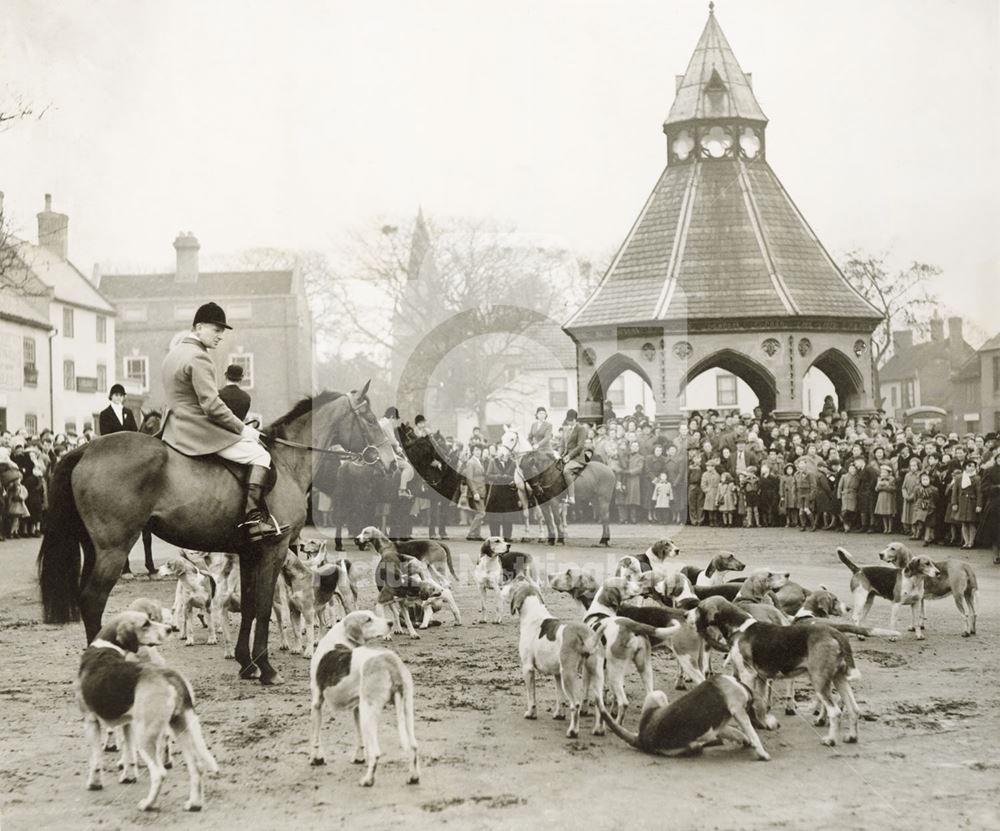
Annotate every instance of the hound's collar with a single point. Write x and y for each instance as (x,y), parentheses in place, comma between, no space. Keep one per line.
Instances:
(803,613)
(746,624)
(593,620)
(100,643)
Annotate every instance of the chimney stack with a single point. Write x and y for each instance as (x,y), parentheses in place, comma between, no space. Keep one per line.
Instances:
(902,340)
(937,329)
(53,230)
(955,340)
(187,247)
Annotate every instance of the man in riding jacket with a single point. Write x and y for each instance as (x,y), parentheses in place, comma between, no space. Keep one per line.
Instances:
(575,437)
(198,422)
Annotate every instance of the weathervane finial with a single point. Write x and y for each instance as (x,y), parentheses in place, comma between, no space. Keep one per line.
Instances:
(711,7)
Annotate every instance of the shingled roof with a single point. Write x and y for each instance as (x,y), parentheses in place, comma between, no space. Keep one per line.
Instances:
(720,237)
(714,85)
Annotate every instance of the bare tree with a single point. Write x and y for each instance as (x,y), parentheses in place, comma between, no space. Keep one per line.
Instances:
(456,303)
(903,296)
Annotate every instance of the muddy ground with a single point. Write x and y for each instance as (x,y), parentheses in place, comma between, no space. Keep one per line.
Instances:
(928,757)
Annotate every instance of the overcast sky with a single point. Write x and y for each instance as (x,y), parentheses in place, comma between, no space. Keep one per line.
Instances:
(283,124)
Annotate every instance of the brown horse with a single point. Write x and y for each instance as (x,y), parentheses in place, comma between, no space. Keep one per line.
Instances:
(103,494)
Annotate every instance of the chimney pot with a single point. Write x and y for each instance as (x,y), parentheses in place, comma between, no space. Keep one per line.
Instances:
(53,230)
(186,245)
(48,202)
(902,340)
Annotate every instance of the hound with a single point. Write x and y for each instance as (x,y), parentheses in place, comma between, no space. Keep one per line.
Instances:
(143,699)
(335,580)
(921,578)
(579,584)
(195,591)
(756,596)
(294,602)
(762,652)
(653,559)
(672,589)
(370,535)
(347,674)
(497,566)
(625,641)
(436,555)
(714,573)
(224,569)
(696,720)
(550,647)
(867,583)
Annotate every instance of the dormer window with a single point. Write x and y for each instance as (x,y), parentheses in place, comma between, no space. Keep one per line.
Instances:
(715,83)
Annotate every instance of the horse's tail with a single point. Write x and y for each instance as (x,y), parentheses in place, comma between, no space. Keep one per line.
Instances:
(59,555)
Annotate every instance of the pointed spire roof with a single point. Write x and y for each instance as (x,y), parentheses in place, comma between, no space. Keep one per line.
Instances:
(421,254)
(714,85)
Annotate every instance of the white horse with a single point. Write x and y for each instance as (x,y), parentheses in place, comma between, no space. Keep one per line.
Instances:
(511,440)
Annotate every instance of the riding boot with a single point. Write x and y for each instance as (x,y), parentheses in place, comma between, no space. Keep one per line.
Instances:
(257,522)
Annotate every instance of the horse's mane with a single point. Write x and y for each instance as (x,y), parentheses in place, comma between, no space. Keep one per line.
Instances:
(305,405)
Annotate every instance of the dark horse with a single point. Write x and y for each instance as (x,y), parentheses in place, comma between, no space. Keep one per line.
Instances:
(437,467)
(103,495)
(594,485)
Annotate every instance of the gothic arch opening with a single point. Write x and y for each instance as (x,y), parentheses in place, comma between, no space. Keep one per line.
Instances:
(843,373)
(754,375)
(601,387)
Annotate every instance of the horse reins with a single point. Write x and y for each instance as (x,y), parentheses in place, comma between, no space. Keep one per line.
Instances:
(362,458)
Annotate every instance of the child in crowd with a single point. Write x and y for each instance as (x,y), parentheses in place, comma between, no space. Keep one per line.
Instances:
(15,498)
(727,498)
(770,496)
(788,504)
(908,492)
(710,480)
(751,491)
(925,498)
(967,493)
(805,494)
(663,495)
(885,502)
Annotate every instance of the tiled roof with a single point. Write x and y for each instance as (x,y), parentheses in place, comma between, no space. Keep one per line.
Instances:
(970,370)
(214,284)
(552,349)
(908,362)
(67,283)
(714,86)
(992,343)
(720,238)
(19,310)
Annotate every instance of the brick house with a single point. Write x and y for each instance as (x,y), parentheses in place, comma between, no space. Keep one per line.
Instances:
(976,388)
(272,337)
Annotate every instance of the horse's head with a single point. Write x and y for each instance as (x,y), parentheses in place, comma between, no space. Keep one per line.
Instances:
(511,438)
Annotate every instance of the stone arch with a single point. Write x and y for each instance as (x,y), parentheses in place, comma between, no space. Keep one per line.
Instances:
(605,375)
(756,376)
(848,382)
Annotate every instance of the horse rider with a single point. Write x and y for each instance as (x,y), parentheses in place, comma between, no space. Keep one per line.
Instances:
(540,434)
(390,424)
(199,423)
(575,437)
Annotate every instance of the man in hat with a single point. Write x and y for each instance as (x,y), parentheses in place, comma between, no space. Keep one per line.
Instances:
(115,418)
(575,437)
(198,422)
(234,396)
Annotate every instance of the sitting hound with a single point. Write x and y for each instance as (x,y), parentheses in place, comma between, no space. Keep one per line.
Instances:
(347,674)
(497,566)
(146,701)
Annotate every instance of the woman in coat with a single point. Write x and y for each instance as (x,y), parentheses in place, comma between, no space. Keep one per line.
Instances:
(788,502)
(696,496)
(847,491)
(502,503)
(710,487)
(988,506)
(866,496)
(653,465)
(632,471)
(966,501)
(907,492)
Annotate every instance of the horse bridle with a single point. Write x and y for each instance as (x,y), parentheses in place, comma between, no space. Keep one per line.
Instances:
(369,455)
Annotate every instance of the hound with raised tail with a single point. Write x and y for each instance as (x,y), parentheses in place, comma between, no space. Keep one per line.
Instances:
(714,573)
(921,577)
(697,720)
(432,553)
(335,581)
(762,652)
(146,701)
(567,651)
(347,674)
(497,566)
(194,595)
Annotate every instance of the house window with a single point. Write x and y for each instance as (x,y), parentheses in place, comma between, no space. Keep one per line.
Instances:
(102,329)
(725,390)
(907,394)
(245,360)
(69,375)
(558,393)
(996,373)
(137,371)
(30,423)
(102,378)
(30,367)
(894,396)
(972,393)
(67,323)
(29,351)
(133,314)
(616,392)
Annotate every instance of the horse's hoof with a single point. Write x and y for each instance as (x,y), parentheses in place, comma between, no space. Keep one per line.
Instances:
(271,680)
(829,742)
(317,761)
(95,786)
(191,806)
(413,780)
(249,673)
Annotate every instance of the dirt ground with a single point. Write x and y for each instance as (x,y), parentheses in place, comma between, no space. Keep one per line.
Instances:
(928,757)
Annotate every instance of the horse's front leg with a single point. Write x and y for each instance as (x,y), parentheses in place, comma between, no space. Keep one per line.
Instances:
(266,568)
(108,566)
(248,608)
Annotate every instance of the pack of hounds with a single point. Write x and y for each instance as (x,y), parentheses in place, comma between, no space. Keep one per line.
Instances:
(769,629)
